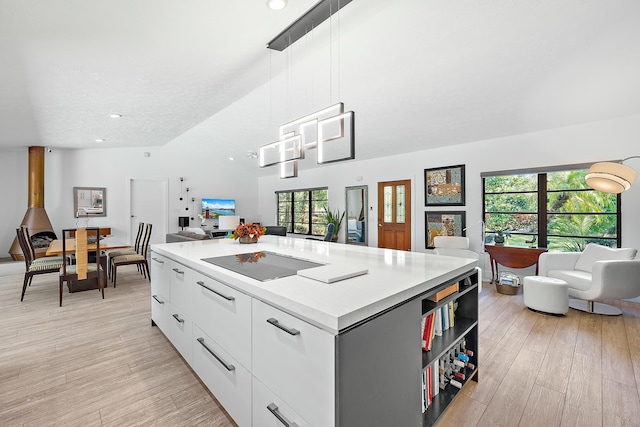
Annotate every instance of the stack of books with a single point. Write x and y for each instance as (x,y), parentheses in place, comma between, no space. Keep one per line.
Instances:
(439,320)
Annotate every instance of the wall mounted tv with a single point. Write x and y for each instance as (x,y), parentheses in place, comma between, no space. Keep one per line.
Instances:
(213,208)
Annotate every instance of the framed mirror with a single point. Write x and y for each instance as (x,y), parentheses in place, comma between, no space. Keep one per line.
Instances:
(89,201)
(356,206)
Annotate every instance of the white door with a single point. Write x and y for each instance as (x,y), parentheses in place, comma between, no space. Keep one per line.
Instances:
(149,204)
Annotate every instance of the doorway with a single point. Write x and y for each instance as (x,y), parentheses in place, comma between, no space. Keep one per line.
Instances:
(394,215)
(149,204)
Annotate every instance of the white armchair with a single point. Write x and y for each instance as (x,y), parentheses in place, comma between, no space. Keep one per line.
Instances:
(456,246)
(596,273)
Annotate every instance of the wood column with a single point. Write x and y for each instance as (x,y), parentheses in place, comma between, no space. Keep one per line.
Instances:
(36,177)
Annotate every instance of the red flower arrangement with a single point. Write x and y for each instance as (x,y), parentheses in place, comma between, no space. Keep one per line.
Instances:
(247,230)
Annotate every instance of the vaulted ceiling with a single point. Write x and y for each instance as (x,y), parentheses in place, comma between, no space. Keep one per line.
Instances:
(426,73)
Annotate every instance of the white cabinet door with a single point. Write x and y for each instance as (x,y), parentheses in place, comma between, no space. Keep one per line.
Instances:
(225,315)
(227,379)
(160,267)
(271,411)
(297,361)
(159,311)
(178,329)
(180,283)
(160,292)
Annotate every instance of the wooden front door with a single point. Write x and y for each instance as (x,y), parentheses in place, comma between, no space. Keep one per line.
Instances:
(394,215)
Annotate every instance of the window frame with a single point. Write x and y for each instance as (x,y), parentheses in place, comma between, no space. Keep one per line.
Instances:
(542,194)
(292,213)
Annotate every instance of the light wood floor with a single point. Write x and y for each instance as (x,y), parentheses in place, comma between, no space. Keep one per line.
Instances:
(98,362)
(92,362)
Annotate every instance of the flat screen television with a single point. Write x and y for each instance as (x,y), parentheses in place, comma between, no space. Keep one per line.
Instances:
(213,208)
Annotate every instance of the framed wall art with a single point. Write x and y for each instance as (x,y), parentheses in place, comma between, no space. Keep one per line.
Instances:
(440,223)
(444,186)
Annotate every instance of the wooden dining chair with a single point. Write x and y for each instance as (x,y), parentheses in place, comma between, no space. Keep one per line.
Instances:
(83,269)
(34,265)
(126,251)
(139,259)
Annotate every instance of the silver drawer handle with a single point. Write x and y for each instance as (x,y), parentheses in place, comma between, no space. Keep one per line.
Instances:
(178,271)
(155,297)
(228,298)
(175,316)
(273,408)
(290,331)
(158,260)
(228,366)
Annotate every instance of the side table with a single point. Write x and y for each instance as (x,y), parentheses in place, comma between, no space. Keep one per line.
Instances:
(512,256)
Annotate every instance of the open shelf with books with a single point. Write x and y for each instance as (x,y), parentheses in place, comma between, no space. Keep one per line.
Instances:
(449,341)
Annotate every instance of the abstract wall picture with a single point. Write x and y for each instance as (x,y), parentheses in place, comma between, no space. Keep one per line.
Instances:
(444,186)
(443,224)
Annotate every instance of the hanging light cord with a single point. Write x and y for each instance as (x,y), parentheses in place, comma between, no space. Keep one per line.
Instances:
(632,157)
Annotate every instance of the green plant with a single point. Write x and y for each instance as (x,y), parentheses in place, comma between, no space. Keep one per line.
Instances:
(334,218)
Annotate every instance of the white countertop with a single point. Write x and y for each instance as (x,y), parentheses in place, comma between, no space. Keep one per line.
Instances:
(393,276)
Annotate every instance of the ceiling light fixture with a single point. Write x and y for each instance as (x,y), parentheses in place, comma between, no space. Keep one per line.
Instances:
(331,130)
(611,177)
(115,116)
(306,23)
(101,140)
(276,4)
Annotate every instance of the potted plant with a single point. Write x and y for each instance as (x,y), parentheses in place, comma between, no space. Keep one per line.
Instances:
(334,218)
(500,237)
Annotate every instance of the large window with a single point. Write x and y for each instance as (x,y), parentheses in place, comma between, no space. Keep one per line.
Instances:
(303,211)
(549,208)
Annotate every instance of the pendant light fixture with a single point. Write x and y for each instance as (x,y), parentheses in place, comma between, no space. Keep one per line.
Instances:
(611,177)
(331,130)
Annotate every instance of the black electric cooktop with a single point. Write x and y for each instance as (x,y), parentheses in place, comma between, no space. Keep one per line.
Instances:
(263,265)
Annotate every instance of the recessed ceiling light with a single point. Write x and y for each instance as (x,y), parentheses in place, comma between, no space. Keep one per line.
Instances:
(231,158)
(276,4)
(101,140)
(115,116)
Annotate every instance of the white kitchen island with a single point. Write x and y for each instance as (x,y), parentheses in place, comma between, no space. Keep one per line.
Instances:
(299,351)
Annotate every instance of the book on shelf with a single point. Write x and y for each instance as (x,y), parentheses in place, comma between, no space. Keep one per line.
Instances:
(435,377)
(451,314)
(424,390)
(444,293)
(437,329)
(428,330)
(444,314)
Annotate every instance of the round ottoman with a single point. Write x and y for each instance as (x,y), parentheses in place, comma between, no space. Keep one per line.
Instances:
(546,294)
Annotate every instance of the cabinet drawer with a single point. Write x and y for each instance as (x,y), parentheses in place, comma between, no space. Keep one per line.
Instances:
(228,380)
(160,267)
(271,411)
(296,360)
(179,331)
(180,283)
(159,310)
(224,314)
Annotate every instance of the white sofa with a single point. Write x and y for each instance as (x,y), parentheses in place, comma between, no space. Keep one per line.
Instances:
(596,273)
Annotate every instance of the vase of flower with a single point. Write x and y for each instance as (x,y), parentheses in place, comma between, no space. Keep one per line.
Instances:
(247,233)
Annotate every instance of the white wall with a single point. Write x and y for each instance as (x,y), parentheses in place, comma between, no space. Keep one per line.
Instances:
(13,193)
(606,140)
(208,177)
(113,168)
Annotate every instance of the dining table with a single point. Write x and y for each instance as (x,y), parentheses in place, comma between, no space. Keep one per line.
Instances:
(106,244)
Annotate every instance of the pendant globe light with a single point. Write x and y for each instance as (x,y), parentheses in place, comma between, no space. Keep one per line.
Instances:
(611,177)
